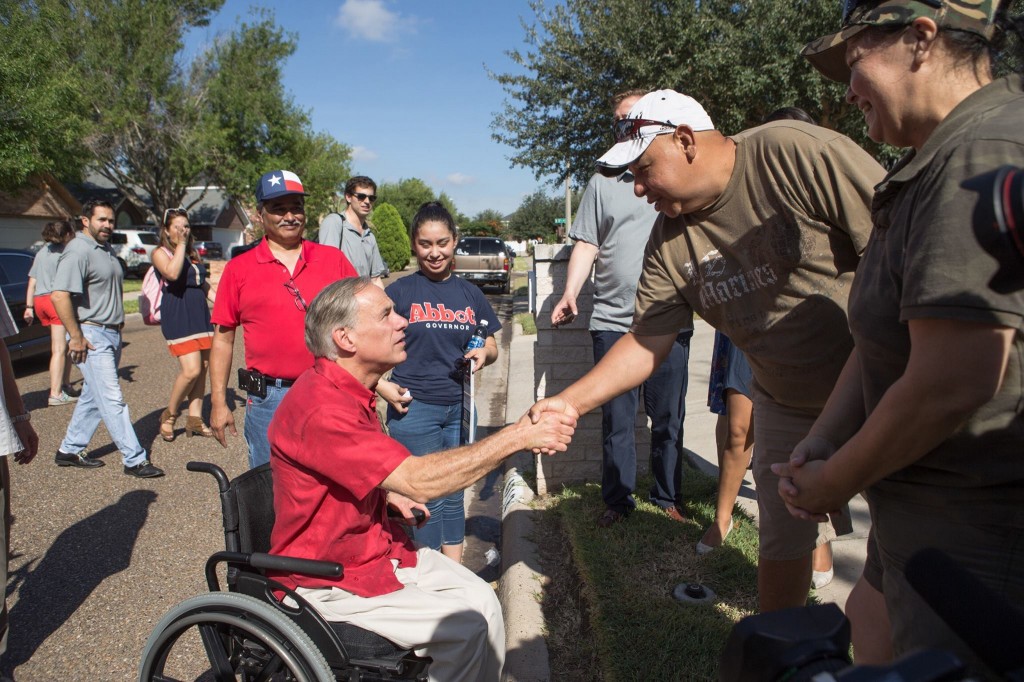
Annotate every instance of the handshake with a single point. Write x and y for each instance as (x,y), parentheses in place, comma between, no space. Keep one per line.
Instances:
(550,423)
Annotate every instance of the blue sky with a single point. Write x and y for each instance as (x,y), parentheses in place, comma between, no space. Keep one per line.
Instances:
(404,84)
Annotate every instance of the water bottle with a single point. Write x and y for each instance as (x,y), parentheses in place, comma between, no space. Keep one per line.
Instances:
(479,336)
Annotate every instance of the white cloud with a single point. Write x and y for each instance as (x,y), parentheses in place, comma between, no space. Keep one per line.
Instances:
(459,179)
(363,154)
(371,20)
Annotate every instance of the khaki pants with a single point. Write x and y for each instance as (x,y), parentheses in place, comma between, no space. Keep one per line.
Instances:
(443,611)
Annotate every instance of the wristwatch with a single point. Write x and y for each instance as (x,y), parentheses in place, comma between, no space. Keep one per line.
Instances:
(25,417)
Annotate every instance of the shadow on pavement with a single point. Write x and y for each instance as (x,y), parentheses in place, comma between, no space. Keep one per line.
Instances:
(81,558)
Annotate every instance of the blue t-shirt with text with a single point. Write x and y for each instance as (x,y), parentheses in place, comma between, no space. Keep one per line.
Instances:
(442,317)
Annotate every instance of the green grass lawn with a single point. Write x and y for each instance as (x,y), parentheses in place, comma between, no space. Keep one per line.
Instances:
(131,285)
(626,623)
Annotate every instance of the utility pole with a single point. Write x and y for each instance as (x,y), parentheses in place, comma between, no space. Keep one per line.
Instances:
(568,207)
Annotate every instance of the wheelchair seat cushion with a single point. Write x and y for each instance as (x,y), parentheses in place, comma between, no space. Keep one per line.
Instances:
(364,645)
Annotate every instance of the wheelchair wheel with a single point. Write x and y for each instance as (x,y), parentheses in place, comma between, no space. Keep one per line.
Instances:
(241,638)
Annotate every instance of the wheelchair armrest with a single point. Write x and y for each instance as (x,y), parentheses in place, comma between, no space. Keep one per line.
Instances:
(274,562)
(213,470)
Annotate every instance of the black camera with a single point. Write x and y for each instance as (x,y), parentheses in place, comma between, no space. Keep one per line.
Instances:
(813,643)
(999,223)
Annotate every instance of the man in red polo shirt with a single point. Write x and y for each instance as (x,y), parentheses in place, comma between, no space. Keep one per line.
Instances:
(335,473)
(266,290)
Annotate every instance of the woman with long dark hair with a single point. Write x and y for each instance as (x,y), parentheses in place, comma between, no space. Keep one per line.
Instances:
(928,415)
(184,321)
(443,311)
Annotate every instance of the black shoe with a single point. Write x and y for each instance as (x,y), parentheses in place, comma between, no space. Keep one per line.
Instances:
(64,459)
(144,470)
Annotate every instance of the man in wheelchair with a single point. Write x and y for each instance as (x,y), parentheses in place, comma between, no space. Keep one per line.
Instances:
(335,473)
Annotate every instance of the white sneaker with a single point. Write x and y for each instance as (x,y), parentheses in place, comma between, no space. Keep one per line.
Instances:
(62,399)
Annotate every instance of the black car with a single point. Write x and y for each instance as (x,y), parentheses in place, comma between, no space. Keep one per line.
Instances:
(209,250)
(32,339)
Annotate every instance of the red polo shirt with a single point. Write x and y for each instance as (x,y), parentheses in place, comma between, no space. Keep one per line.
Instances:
(252,293)
(329,454)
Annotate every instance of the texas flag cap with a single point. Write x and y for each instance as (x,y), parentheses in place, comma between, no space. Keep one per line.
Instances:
(278,184)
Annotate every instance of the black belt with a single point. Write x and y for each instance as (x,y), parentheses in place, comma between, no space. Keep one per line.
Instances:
(115,327)
(280,383)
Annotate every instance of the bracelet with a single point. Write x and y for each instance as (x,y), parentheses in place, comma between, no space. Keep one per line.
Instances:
(21,418)
(29,307)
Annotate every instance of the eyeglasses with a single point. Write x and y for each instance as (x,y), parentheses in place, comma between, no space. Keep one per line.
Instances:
(364,197)
(300,303)
(174,212)
(629,128)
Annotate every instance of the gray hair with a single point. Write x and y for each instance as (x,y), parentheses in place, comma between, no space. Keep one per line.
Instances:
(335,307)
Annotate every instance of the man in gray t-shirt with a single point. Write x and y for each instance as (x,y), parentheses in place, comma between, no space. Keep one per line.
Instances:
(349,231)
(612,226)
(87,295)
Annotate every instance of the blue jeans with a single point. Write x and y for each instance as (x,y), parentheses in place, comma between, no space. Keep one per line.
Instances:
(102,399)
(424,430)
(665,404)
(258,413)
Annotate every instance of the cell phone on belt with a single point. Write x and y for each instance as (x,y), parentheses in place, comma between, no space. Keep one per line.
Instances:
(252,382)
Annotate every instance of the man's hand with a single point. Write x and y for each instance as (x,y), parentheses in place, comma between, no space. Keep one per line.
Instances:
(398,397)
(405,506)
(222,419)
(29,439)
(78,348)
(550,432)
(29,315)
(564,311)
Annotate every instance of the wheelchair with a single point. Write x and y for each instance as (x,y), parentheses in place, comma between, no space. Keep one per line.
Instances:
(246,632)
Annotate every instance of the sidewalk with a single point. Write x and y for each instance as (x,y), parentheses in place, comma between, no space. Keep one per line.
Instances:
(521,577)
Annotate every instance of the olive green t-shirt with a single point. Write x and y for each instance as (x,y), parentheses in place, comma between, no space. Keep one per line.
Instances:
(924,261)
(770,262)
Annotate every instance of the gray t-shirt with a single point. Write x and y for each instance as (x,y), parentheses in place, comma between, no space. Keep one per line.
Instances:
(613,218)
(44,267)
(360,249)
(89,271)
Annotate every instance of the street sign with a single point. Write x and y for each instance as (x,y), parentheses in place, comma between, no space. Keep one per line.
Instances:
(559,221)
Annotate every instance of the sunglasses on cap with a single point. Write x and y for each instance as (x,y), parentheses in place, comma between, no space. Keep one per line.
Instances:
(629,128)
(851,6)
(365,197)
(170,212)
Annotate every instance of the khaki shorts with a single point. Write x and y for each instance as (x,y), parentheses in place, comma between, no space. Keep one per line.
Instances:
(777,430)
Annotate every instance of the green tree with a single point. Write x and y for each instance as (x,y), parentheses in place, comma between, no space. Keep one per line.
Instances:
(449,203)
(739,58)
(535,217)
(486,223)
(406,196)
(145,122)
(250,123)
(392,236)
(42,102)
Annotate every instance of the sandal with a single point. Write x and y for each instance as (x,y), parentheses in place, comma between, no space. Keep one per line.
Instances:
(167,419)
(194,426)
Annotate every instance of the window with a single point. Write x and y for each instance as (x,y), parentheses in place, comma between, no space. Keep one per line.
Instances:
(148,238)
(15,267)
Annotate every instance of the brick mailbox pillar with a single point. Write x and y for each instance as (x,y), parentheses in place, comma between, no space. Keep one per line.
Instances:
(560,357)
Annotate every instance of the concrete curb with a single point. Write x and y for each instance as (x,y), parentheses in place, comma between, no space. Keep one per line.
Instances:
(526,658)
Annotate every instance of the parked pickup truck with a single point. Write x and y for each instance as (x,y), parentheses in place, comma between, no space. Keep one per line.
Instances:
(483,261)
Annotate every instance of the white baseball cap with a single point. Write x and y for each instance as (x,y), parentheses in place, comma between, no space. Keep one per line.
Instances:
(656,113)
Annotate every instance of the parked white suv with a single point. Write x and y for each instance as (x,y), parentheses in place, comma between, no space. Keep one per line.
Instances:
(134,248)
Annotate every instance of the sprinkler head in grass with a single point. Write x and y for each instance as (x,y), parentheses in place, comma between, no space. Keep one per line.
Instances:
(693,593)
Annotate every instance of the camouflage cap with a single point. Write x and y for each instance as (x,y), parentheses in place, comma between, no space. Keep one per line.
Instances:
(828,53)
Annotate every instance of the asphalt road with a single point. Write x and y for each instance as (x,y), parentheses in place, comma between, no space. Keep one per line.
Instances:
(98,557)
